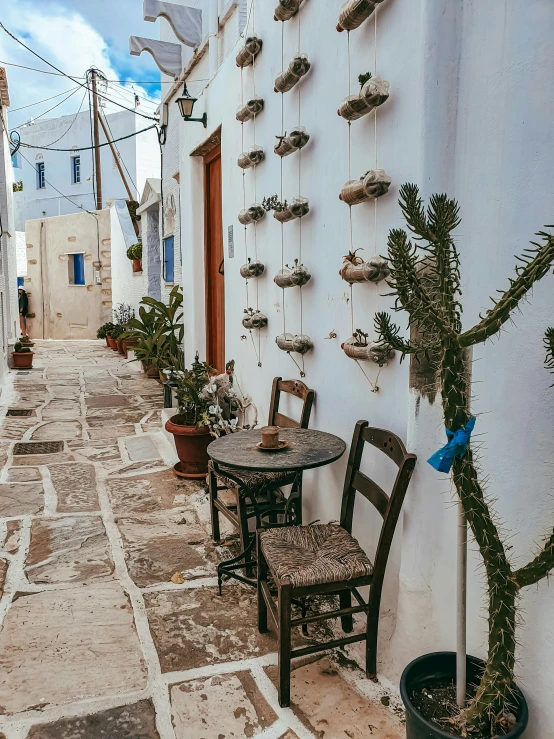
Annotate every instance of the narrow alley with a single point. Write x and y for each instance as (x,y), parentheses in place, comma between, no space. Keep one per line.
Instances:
(97,640)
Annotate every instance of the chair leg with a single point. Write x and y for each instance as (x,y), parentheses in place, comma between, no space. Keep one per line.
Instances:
(284,618)
(212,489)
(372,631)
(243,528)
(345,600)
(262,577)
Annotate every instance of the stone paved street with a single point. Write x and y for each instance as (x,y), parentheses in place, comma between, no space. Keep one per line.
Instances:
(96,641)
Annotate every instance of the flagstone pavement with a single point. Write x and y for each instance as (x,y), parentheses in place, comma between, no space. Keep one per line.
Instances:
(96,641)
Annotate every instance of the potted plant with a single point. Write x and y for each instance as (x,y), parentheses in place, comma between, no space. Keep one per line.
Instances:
(26,342)
(207,408)
(426,282)
(22,356)
(134,253)
(102,332)
(115,335)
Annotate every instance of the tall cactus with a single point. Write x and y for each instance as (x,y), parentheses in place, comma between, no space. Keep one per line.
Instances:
(426,283)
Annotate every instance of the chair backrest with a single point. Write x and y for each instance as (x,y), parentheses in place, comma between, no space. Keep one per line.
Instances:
(389,506)
(300,390)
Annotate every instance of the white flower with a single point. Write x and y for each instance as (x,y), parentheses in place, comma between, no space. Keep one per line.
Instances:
(234,422)
(214,410)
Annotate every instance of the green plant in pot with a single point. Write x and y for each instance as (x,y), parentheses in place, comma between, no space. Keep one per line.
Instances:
(22,356)
(103,331)
(208,407)
(134,254)
(426,283)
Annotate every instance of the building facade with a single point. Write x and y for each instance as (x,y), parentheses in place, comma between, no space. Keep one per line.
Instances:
(62,182)
(469,113)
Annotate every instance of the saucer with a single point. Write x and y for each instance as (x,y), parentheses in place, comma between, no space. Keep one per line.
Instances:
(282,445)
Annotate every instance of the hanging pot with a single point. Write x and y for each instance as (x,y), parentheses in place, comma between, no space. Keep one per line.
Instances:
(300,343)
(377,352)
(354,12)
(371,185)
(297,139)
(286,9)
(298,67)
(253,214)
(191,444)
(252,269)
(296,276)
(439,667)
(254,319)
(374,270)
(252,107)
(249,51)
(251,158)
(373,94)
(298,208)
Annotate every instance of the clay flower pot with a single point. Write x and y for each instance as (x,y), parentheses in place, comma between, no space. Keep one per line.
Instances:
(128,344)
(137,265)
(150,370)
(22,360)
(120,346)
(191,444)
(108,341)
(113,344)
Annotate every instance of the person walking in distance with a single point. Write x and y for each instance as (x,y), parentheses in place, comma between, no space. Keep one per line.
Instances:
(23,310)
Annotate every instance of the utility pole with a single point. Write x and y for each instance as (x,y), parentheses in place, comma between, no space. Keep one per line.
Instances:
(96,141)
(118,165)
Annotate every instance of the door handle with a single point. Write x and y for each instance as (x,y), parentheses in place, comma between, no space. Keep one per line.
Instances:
(221,269)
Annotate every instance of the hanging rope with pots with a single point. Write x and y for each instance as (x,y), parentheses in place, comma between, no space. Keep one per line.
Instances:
(249,51)
(298,67)
(354,12)
(371,185)
(297,139)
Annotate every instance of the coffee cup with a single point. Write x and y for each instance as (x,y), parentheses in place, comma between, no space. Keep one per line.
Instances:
(270,437)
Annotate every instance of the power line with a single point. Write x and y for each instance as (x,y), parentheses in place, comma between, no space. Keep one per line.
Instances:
(72,122)
(77,77)
(88,148)
(14,110)
(21,125)
(74,79)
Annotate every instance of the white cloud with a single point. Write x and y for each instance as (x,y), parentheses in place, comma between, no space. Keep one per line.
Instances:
(70,42)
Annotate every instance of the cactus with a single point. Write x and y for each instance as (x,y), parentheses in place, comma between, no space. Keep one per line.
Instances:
(426,283)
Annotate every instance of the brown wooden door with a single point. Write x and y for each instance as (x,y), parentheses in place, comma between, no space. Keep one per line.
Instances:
(215,280)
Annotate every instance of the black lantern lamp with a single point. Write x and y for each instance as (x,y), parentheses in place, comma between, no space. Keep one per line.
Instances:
(186,104)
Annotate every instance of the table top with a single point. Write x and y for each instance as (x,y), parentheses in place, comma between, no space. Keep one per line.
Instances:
(307,449)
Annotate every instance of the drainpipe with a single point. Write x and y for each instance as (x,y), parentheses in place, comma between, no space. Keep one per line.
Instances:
(213,29)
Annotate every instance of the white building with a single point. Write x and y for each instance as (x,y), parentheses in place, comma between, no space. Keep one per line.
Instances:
(470,113)
(9,313)
(49,175)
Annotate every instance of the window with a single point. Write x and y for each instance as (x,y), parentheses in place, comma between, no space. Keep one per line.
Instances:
(16,160)
(169,259)
(75,170)
(76,269)
(41,180)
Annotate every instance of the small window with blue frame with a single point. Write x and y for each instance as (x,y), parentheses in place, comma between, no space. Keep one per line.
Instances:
(169,259)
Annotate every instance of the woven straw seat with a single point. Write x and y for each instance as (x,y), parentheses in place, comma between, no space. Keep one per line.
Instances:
(313,555)
(258,482)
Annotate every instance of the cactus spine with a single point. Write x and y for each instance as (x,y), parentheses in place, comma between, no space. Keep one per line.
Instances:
(426,283)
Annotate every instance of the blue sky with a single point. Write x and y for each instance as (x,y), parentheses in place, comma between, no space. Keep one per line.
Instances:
(75,35)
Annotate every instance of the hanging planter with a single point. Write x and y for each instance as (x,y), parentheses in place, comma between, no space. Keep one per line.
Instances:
(354,269)
(252,269)
(297,139)
(354,12)
(374,93)
(252,214)
(300,343)
(286,9)
(253,106)
(358,347)
(297,209)
(371,185)
(251,158)
(296,276)
(249,51)
(298,67)
(254,319)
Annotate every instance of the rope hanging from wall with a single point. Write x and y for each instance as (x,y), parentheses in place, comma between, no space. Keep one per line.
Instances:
(293,143)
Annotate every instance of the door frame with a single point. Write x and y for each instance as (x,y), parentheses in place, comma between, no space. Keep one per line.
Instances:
(209,157)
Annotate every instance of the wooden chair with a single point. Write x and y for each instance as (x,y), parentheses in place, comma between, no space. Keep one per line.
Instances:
(249,485)
(322,559)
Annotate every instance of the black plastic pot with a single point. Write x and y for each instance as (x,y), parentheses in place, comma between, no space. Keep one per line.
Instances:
(438,666)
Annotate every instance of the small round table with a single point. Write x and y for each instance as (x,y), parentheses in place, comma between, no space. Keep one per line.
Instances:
(307,449)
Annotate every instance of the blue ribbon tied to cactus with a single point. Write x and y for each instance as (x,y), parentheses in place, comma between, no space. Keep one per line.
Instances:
(456,447)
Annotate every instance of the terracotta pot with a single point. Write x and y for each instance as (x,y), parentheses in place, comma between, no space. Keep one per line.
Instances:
(128,344)
(22,359)
(112,343)
(108,341)
(137,265)
(151,370)
(191,444)
(120,346)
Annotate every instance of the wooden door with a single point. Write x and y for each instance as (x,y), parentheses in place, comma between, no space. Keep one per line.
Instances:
(215,280)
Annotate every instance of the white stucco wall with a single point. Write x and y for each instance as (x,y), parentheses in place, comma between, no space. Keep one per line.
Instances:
(470,113)
(127,286)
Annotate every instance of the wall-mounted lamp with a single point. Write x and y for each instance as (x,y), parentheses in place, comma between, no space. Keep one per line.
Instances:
(186,104)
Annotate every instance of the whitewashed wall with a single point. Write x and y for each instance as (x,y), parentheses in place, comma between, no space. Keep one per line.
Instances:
(127,286)
(470,112)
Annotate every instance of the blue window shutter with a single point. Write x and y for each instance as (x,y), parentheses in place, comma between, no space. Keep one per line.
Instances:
(169,259)
(79,268)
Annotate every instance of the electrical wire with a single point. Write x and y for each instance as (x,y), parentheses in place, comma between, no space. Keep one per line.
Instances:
(14,110)
(72,122)
(74,79)
(77,77)
(88,148)
(21,125)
